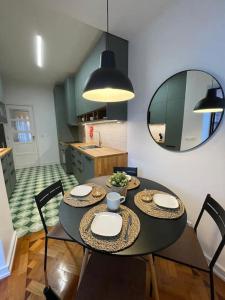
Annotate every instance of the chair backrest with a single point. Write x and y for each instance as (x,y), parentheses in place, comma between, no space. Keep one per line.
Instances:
(46,195)
(129,170)
(217,213)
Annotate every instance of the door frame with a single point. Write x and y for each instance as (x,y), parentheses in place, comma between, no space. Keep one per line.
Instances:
(8,130)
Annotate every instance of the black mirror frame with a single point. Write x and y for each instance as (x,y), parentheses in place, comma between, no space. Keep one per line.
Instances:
(148,112)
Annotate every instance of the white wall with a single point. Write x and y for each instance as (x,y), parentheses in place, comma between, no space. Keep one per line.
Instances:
(7,234)
(112,135)
(189,35)
(42,101)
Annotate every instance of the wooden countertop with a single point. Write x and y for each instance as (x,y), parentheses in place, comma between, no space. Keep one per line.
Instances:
(98,152)
(4,151)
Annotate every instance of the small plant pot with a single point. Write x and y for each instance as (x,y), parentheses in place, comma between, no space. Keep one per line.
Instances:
(122,190)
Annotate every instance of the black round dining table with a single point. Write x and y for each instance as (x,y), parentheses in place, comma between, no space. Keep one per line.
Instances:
(155,234)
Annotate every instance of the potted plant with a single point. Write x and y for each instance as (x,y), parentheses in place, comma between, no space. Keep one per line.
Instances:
(119,182)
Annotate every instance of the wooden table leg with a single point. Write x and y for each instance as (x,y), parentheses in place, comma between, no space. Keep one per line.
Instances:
(83,266)
(153,277)
(148,282)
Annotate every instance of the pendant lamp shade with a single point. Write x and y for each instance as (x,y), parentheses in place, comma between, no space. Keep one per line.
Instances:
(211,103)
(108,84)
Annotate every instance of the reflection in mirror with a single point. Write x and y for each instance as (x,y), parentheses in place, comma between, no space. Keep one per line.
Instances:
(185,110)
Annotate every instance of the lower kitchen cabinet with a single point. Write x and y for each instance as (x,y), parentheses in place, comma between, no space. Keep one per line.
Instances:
(9,172)
(82,165)
(85,167)
(65,156)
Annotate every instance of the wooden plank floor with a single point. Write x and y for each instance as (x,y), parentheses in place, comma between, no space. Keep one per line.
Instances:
(27,281)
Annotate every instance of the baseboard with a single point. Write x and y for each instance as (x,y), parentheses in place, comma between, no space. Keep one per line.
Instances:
(12,251)
(49,163)
(5,271)
(40,165)
(218,269)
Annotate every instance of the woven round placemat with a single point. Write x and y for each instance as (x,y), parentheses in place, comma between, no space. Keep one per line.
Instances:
(151,209)
(112,244)
(132,184)
(85,201)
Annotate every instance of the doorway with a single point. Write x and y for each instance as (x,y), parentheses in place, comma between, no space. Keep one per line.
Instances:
(22,135)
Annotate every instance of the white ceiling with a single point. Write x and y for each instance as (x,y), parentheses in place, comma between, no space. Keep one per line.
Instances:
(127,17)
(67,37)
(66,42)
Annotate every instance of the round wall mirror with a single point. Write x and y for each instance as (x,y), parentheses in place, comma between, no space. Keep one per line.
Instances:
(185,110)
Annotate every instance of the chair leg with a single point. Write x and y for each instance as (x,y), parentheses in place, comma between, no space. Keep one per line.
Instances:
(83,266)
(46,253)
(211,285)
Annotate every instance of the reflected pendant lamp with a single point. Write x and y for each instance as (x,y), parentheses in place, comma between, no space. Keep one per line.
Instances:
(108,84)
(211,103)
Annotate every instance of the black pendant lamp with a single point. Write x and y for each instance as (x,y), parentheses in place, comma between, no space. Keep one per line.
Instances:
(108,84)
(211,103)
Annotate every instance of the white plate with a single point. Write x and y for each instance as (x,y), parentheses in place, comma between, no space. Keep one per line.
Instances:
(107,224)
(81,190)
(128,177)
(166,201)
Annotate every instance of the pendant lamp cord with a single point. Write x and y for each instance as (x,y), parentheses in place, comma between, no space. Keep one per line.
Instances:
(107,33)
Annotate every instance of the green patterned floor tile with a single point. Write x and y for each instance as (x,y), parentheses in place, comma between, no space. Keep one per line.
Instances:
(31,181)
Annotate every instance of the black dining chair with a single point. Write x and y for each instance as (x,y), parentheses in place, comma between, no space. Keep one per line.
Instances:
(187,250)
(57,232)
(129,170)
(50,294)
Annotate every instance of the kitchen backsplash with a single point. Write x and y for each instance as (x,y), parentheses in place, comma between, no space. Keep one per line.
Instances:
(112,134)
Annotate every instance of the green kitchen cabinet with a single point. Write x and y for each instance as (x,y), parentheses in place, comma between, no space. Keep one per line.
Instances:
(3,117)
(76,105)
(79,167)
(65,132)
(70,101)
(75,165)
(167,108)
(82,165)
(175,103)
(88,166)
(118,111)
(114,111)
(9,172)
(91,63)
(1,89)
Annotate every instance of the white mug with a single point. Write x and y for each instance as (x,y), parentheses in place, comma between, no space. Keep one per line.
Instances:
(114,200)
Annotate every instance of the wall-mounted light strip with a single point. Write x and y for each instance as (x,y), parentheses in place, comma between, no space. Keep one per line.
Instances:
(39,50)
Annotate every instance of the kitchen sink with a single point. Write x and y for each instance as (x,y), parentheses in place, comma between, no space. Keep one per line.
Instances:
(89,147)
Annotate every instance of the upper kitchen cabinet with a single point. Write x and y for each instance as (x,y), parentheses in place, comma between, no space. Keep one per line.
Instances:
(114,111)
(3,118)
(1,89)
(91,63)
(70,101)
(65,132)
